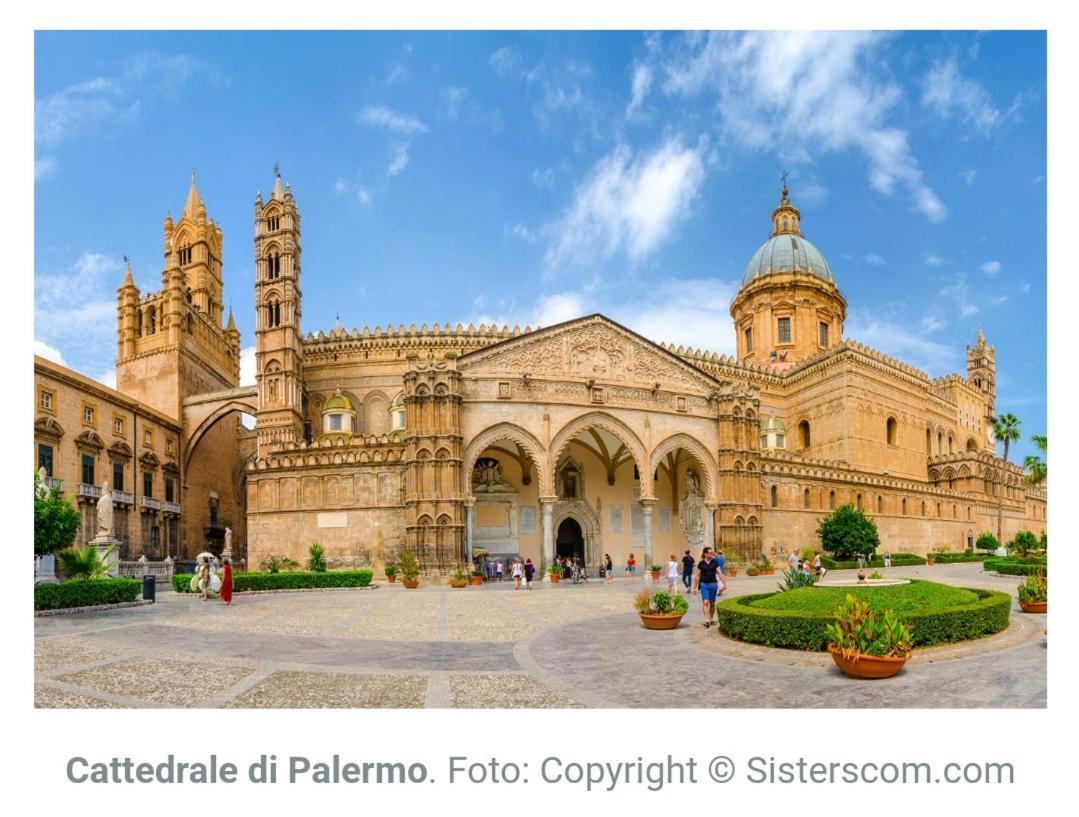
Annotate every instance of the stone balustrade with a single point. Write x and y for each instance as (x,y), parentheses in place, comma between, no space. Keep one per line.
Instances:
(148,503)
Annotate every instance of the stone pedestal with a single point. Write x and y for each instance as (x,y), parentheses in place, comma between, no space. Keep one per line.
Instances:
(45,569)
(108,548)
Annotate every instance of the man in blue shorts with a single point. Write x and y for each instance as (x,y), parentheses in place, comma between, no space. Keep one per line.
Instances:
(707,581)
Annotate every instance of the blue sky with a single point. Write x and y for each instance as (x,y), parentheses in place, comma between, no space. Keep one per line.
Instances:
(527,178)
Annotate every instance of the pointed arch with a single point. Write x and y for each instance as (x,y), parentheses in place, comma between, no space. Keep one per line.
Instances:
(611,424)
(514,433)
(695,450)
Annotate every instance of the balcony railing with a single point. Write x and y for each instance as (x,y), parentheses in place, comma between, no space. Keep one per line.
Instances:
(54,482)
(148,503)
(171,507)
(87,491)
(123,497)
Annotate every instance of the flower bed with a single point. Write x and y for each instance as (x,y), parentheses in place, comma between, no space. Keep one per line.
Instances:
(799,619)
(1015,566)
(86,593)
(244,582)
(898,560)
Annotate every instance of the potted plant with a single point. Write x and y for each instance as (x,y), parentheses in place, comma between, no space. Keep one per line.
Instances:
(761,568)
(410,570)
(868,644)
(554,573)
(655,570)
(458,577)
(391,572)
(660,611)
(1034,594)
(478,577)
(931,557)
(730,566)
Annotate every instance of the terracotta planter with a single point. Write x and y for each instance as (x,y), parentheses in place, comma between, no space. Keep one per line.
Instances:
(655,575)
(1034,606)
(458,583)
(731,571)
(477,580)
(867,666)
(668,622)
(554,577)
(931,560)
(411,585)
(769,572)
(391,578)
(752,571)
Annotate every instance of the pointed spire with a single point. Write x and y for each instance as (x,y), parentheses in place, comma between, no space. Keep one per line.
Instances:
(786,218)
(232,323)
(129,281)
(192,206)
(277,195)
(981,336)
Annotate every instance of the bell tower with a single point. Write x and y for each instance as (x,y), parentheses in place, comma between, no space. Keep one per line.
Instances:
(278,343)
(982,370)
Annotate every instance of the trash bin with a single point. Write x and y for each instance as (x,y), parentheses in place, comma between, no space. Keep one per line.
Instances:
(148,588)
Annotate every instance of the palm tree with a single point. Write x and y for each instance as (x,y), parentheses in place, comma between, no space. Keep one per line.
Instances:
(1005,430)
(1037,470)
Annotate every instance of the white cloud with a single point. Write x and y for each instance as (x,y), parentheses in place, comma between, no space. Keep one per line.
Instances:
(44,167)
(379,116)
(363,194)
(107,378)
(42,349)
(640,85)
(873,259)
(628,204)
(991,268)
(933,260)
(453,97)
(247,366)
(803,90)
(901,341)
(968,176)
(521,232)
(507,62)
(543,178)
(340,186)
(950,94)
(399,158)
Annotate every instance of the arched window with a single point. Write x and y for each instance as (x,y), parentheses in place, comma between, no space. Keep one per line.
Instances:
(275,265)
(273,314)
(939,514)
(923,507)
(880,504)
(831,500)
(803,434)
(397,412)
(138,324)
(775,496)
(955,514)
(892,431)
(859,502)
(940,442)
(805,498)
(972,444)
(951,444)
(928,442)
(970,512)
(904,506)
(153,321)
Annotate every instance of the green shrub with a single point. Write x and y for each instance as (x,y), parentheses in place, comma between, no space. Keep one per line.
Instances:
(1023,543)
(976,613)
(1035,589)
(181,582)
(316,558)
(965,556)
(986,541)
(408,566)
(859,630)
(278,564)
(794,579)
(847,532)
(85,593)
(56,522)
(83,563)
(898,560)
(1009,566)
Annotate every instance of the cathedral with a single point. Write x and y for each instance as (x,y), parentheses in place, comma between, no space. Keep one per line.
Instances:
(579,438)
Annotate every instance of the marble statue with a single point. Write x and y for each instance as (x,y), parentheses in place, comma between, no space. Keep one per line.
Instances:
(104,513)
(227,552)
(42,488)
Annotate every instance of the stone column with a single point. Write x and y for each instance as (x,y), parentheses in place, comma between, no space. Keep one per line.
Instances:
(468,530)
(547,510)
(710,525)
(646,510)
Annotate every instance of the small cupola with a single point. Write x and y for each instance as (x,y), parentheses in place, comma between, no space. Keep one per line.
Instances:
(338,416)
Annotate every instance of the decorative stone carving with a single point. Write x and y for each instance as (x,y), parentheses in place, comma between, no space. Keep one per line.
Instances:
(691,512)
(487,477)
(104,513)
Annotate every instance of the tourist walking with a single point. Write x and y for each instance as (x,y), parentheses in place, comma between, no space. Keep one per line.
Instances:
(530,571)
(672,574)
(204,578)
(498,570)
(517,574)
(793,560)
(887,558)
(687,570)
(490,569)
(708,584)
(631,568)
(818,568)
(608,568)
(226,581)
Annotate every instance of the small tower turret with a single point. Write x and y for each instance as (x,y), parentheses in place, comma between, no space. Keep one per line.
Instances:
(982,370)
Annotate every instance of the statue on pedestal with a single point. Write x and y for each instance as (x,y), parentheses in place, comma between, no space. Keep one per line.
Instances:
(104,513)
(227,552)
(691,512)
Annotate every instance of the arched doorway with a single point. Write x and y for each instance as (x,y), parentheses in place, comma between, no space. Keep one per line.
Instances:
(570,539)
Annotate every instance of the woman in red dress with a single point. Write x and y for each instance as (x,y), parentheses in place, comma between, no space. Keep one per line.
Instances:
(226,582)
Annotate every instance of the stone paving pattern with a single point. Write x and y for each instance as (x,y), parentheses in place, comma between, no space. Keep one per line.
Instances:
(479,647)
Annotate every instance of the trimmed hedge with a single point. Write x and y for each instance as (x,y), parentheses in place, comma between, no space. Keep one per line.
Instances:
(794,629)
(898,560)
(85,593)
(951,558)
(1015,567)
(300,580)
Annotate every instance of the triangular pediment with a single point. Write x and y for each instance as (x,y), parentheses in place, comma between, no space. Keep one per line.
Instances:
(594,347)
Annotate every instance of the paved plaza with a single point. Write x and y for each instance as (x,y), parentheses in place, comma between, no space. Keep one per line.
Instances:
(491,646)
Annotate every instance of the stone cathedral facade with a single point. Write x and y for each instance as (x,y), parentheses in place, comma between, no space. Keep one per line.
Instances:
(582,437)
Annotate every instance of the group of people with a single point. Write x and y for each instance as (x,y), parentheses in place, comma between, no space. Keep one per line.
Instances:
(705,576)
(522,573)
(810,564)
(207,581)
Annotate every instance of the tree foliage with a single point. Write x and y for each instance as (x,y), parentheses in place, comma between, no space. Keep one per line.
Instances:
(847,532)
(986,541)
(83,563)
(56,522)
(1023,543)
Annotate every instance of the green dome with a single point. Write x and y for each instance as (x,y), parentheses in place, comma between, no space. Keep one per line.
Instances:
(338,403)
(773,424)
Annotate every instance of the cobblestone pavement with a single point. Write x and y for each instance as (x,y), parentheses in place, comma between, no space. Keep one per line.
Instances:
(554,646)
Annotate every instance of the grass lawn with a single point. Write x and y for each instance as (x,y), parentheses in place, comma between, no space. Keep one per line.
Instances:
(918,596)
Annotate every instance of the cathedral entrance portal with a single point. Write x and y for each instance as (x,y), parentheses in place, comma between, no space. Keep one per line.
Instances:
(570,539)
